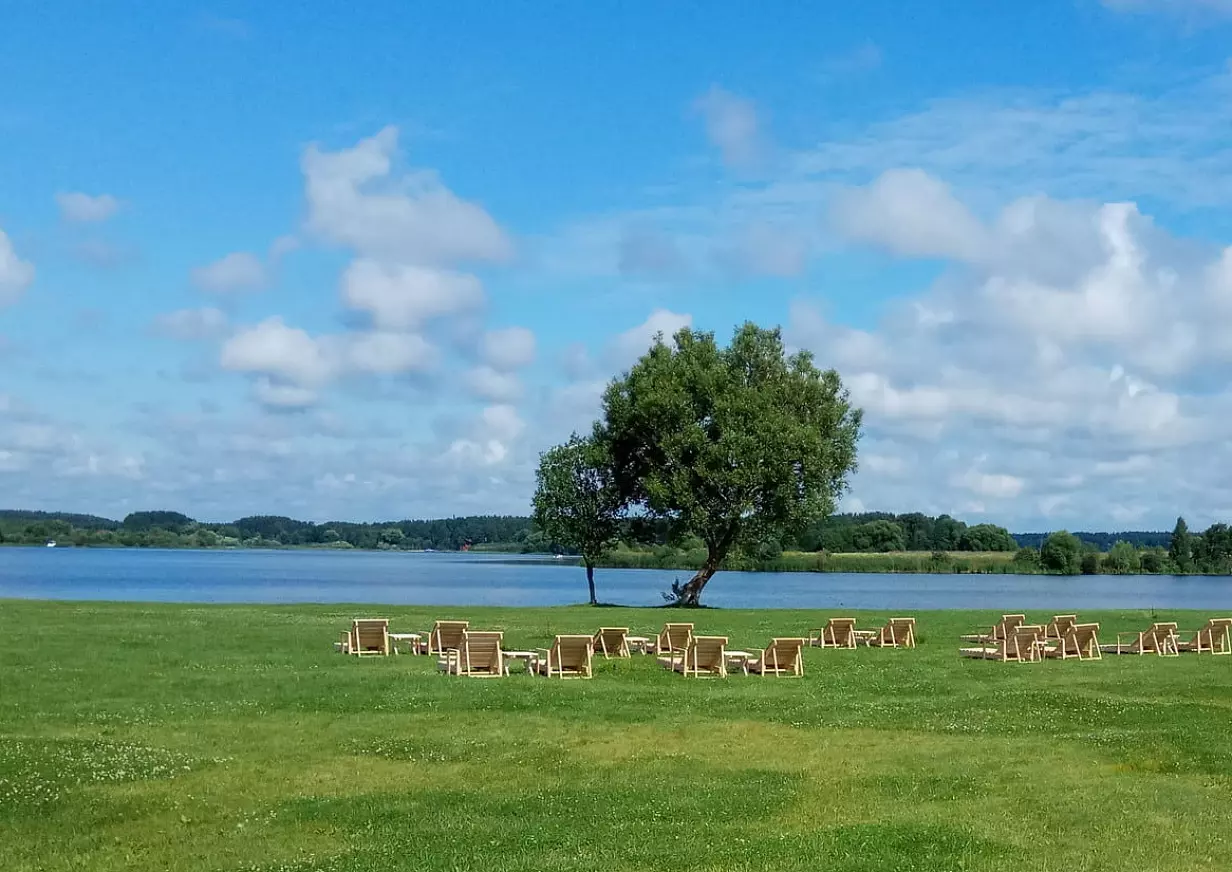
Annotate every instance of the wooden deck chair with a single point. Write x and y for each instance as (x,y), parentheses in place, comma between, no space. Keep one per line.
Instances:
(1024,644)
(1060,625)
(445,636)
(1214,638)
(999,631)
(837,633)
(1160,639)
(612,642)
(1079,640)
(478,656)
(782,657)
(369,636)
(704,655)
(569,657)
(673,639)
(897,633)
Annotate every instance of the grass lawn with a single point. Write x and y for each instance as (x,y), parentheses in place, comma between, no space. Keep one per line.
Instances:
(217,738)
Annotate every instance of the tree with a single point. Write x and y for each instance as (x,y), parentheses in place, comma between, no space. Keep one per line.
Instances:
(578,502)
(1122,558)
(986,537)
(1090,563)
(731,444)
(1153,559)
(1062,552)
(1180,548)
(881,536)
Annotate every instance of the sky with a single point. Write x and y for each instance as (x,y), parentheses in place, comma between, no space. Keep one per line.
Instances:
(365,262)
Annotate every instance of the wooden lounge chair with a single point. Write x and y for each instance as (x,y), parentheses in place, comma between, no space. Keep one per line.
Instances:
(1024,644)
(673,639)
(478,656)
(369,636)
(1060,624)
(704,655)
(782,657)
(897,633)
(445,636)
(1079,640)
(837,633)
(1159,639)
(612,642)
(1214,638)
(999,631)
(569,657)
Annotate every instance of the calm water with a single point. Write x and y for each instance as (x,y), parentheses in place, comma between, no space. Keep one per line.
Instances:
(476,579)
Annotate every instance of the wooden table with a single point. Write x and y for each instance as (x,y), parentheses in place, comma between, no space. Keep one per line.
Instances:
(641,643)
(530,658)
(412,638)
(738,659)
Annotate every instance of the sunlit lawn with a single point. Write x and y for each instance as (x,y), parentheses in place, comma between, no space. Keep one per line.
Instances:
(171,737)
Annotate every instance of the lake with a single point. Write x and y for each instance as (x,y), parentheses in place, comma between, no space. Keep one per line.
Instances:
(391,578)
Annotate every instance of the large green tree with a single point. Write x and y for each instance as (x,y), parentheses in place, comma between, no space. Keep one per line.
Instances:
(1062,552)
(578,503)
(1180,548)
(986,537)
(735,444)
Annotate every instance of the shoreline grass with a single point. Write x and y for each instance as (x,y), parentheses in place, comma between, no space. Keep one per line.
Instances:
(158,736)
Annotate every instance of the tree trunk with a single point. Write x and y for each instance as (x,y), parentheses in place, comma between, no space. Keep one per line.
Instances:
(590,580)
(691,593)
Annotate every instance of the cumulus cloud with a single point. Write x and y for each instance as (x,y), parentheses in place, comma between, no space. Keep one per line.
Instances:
(633,343)
(15,274)
(191,324)
(238,271)
(390,353)
(404,296)
(356,199)
(732,126)
(508,348)
(276,350)
(82,208)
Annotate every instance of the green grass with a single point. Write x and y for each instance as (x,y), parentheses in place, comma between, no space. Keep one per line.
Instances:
(220,738)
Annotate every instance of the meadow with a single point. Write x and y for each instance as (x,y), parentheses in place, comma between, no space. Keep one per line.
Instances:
(140,736)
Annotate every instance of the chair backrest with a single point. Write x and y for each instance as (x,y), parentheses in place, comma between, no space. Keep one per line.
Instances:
(785,655)
(446,635)
(571,655)
(1021,642)
(1082,641)
(705,654)
(612,641)
(480,653)
(674,637)
(370,636)
(899,631)
(1007,626)
(1060,625)
(840,632)
(1156,638)
(1215,637)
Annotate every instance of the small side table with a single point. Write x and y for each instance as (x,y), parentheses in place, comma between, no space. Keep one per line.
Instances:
(411,638)
(733,659)
(641,644)
(530,658)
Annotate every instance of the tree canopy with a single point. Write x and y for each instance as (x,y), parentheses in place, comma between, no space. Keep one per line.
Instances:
(577,502)
(1062,552)
(731,444)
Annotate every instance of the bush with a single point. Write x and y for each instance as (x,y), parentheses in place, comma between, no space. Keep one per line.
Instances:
(1090,563)
(1062,552)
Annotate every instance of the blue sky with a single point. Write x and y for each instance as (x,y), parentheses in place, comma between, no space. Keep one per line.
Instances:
(368,262)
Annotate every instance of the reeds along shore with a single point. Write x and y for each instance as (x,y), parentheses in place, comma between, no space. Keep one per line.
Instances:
(1001,562)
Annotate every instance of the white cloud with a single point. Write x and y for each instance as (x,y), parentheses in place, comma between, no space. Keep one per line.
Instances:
(508,348)
(992,485)
(910,212)
(238,271)
(634,342)
(356,199)
(402,296)
(732,126)
(15,274)
(390,353)
(280,395)
(494,385)
(79,207)
(284,353)
(191,324)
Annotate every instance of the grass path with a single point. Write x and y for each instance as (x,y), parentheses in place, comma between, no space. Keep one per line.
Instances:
(221,738)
